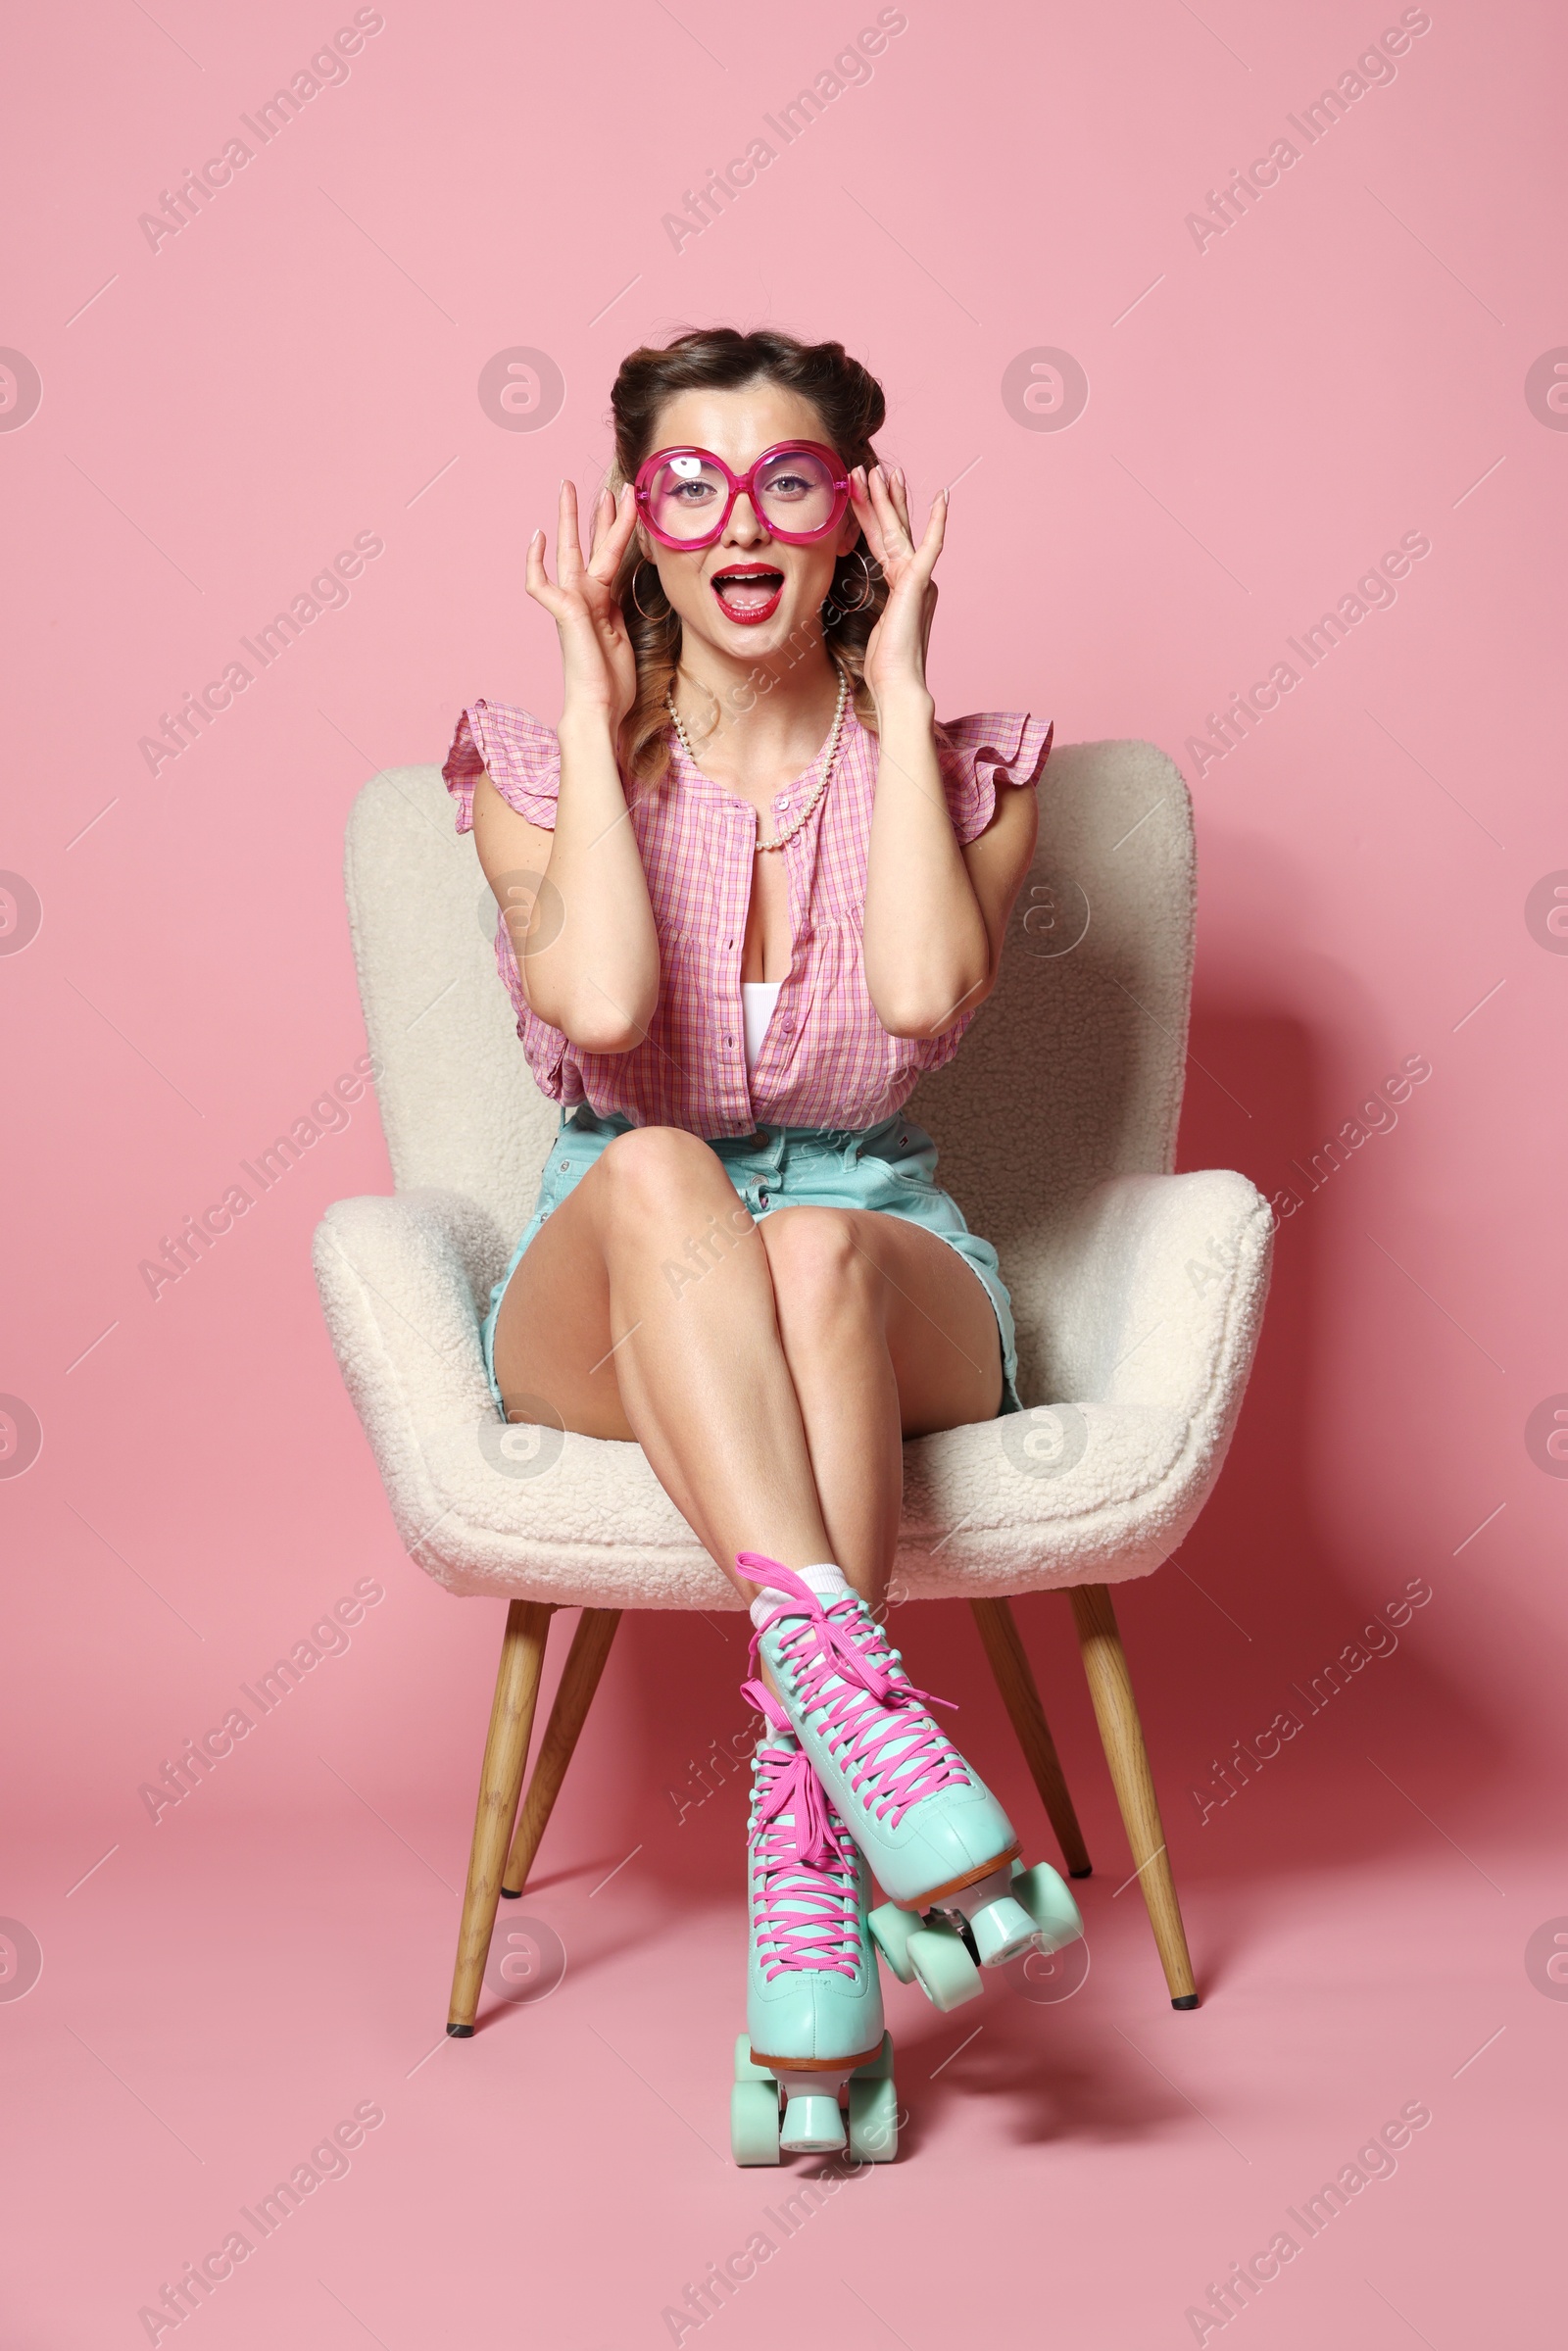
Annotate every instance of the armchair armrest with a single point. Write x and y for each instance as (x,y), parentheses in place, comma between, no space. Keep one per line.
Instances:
(1153,1293)
(405,1283)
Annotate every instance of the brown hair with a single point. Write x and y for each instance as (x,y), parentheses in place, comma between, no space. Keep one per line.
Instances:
(850,402)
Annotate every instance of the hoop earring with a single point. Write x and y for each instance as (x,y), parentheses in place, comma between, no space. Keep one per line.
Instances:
(668,611)
(843,602)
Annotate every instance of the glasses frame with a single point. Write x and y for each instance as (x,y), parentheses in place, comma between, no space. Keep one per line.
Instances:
(642,490)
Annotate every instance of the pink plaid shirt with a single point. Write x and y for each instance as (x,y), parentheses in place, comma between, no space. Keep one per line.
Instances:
(826,1061)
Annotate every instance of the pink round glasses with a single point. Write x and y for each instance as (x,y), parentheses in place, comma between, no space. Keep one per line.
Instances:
(799,490)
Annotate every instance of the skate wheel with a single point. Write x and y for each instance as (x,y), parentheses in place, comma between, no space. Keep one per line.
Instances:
(1002,1931)
(813,2125)
(1049,1904)
(878,2068)
(874,2119)
(891,1930)
(943,1968)
(745,2069)
(754,2123)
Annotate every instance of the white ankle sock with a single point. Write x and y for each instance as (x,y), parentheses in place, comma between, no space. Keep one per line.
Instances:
(824,1579)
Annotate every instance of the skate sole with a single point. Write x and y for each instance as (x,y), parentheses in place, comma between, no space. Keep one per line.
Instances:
(815,2065)
(955,1885)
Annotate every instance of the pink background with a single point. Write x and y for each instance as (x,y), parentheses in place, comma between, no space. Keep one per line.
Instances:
(218,418)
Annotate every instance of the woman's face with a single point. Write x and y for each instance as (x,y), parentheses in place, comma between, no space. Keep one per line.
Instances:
(704,587)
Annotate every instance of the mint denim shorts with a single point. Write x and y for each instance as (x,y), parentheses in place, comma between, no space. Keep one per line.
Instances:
(891,1167)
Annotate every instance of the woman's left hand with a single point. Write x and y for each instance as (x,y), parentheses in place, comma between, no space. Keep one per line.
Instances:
(894,655)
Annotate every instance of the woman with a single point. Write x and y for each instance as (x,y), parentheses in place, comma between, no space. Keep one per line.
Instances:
(765,893)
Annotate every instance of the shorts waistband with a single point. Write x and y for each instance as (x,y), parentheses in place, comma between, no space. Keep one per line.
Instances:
(768,1145)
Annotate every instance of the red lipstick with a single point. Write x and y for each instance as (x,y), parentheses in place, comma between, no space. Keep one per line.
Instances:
(761,586)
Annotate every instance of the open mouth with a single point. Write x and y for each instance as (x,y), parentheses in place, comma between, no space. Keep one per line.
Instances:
(748,592)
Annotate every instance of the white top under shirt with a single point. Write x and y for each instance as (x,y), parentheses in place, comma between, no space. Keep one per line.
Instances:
(758,998)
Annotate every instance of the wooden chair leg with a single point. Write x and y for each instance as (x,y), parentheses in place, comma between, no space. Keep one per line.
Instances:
(585,1662)
(1111,1689)
(1010,1662)
(506,1750)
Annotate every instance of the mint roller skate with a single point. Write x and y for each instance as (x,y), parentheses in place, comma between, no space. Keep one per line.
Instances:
(937,1839)
(813,2000)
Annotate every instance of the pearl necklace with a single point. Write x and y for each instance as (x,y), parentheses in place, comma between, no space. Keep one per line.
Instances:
(779,839)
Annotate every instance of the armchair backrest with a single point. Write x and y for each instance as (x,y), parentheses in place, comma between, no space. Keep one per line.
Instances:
(459,1106)
(1073,1070)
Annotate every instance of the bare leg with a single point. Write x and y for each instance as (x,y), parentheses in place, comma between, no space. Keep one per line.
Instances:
(769,1392)
(887,1335)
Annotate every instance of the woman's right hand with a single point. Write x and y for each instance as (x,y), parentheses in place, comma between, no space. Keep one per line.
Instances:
(599,667)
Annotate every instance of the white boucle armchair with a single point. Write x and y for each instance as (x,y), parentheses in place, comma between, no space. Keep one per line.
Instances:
(1138,1296)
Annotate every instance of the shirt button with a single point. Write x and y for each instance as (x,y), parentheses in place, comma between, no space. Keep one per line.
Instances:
(564,1164)
(788,1026)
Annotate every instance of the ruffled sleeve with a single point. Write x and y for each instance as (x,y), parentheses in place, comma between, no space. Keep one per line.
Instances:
(992,747)
(521,757)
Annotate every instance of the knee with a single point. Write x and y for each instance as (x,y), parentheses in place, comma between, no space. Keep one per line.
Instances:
(650,1171)
(821,1274)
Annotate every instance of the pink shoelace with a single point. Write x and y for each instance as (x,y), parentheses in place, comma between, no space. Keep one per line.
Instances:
(807,1912)
(885,1743)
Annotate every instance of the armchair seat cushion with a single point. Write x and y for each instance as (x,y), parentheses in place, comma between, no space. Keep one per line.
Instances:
(1159,1284)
